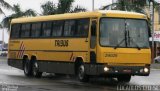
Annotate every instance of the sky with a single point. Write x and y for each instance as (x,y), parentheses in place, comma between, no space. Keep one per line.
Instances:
(35,5)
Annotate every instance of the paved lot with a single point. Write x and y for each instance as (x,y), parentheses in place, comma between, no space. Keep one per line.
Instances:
(12,79)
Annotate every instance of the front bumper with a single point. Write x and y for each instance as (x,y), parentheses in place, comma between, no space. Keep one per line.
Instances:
(117,70)
(133,70)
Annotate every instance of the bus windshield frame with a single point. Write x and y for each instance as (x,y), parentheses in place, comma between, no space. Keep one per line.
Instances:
(127,39)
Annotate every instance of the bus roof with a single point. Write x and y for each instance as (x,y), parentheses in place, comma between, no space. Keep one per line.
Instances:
(100,13)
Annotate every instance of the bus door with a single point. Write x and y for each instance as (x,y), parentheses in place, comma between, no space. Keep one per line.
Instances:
(93,41)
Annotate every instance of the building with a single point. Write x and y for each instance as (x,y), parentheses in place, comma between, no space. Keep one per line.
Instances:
(156,51)
(3,46)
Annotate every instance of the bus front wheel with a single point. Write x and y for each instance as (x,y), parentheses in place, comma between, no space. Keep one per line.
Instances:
(36,73)
(27,67)
(124,78)
(81,74)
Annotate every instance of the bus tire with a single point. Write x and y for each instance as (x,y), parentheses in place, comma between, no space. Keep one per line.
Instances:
(27,67)
(81,74)
(36,73)
(124,78)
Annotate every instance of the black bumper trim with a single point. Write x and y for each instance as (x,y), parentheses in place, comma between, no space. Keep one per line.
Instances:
(15,63)
(94,69)
(90,69)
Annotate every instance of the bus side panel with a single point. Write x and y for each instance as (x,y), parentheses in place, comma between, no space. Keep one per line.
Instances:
(56,67)
(59,62)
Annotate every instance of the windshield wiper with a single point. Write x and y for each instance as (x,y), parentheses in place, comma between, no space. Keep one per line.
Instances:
(137,46)
(119,44)
(130,38)
(125,39)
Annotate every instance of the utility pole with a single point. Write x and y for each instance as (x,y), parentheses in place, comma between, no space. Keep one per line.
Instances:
(112,4)
(2,38)
(92,5)
(152,26)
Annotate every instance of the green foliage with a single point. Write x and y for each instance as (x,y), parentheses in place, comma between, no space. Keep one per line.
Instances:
(48,8)
(4,5)
(1,26)
(130,5)
(17,13)
(63,6)
(78,9)
(135,5)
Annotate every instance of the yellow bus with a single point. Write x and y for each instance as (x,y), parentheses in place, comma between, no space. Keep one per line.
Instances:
(100,43)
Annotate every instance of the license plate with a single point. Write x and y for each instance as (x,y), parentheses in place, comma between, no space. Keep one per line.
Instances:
(127,71)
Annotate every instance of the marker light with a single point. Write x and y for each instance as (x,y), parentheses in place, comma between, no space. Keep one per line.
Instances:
(106,69)
(141,70)
(146,70)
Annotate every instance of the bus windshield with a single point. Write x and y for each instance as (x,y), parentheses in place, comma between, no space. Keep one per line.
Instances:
(131,33)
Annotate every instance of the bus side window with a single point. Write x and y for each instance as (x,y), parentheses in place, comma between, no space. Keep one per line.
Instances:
(69,28)
(15,30)
(35,30)
(82,28)
(93,34)
(46,30)
(57,28)
(25,30)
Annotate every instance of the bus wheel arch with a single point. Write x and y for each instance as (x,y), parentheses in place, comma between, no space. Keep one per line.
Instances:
(25,57)
(78,62)
(26,66)
(35,67)
(80,70)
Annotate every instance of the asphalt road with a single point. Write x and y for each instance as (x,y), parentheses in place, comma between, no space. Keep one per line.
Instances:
(12,79)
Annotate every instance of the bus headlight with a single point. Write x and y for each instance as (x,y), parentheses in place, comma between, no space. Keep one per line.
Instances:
(106,69)
(146,70)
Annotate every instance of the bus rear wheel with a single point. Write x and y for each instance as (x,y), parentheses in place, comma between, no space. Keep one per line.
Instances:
(82,75)
(27,67)
(36,73)
(124,78)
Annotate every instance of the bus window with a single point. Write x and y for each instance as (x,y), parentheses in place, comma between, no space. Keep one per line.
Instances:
(36,29)
(69,28)
(25,30)
(15,30)
(82,28)
(46,31)
(57,28)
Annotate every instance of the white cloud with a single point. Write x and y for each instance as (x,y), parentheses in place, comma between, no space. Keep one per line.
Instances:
(35,4)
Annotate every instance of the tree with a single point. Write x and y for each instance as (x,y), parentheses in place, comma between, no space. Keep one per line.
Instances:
(1,26)
(48,8)
(78,9)
(63,6)
(17,13)
(4,5)
(129,5)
